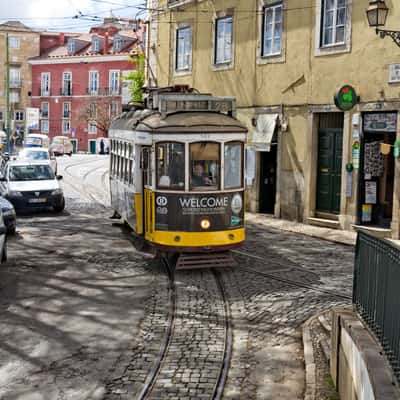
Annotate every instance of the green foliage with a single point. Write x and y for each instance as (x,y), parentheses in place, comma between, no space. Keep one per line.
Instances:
(137,79)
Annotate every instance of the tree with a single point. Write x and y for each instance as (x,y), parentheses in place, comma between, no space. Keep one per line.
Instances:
(98,114)
(137,79)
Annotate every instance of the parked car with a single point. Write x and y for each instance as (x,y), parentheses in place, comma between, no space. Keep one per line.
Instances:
(39,153)
(32,184)
(9,216)
(37,140)
(61,145)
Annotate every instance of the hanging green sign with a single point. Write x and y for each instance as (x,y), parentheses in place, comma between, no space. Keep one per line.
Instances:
(346,98)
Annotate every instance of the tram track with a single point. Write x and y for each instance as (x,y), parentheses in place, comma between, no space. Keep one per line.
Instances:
(89,195)
(176,335)
(295,283)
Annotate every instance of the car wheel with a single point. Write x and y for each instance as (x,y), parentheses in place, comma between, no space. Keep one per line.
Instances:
(12,230)
(4,254)
(61,207)
(70,154)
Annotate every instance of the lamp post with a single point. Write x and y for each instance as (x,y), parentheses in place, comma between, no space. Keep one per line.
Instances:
(377,13)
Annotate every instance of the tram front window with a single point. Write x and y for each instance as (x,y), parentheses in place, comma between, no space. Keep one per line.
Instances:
(204,166)
(233,165)
(171,166)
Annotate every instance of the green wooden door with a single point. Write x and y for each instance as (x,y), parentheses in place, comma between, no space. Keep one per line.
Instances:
(92,147)
(329,174)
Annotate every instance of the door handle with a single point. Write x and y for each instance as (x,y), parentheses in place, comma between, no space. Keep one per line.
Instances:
(324,170)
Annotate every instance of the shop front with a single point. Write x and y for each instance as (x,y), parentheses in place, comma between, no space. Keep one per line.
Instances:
(377,169)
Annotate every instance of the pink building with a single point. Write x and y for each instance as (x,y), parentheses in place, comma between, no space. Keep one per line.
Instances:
(78,80)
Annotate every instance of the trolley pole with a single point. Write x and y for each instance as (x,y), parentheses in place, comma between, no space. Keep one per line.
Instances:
(8,111)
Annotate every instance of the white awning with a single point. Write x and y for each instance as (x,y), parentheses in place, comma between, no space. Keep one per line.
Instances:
(263,132)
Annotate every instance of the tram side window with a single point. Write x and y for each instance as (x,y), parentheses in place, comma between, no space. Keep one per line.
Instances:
(204,166)
(233,163)
(171,165)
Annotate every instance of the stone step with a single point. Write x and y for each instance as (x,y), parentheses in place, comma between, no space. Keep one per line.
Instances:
(323,222)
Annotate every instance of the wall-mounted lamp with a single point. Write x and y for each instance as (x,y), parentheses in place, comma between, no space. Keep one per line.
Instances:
(377,13)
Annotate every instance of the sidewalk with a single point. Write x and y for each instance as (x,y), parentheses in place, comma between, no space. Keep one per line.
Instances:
(333,235)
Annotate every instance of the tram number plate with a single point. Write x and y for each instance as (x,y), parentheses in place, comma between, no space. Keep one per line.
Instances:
(42,200)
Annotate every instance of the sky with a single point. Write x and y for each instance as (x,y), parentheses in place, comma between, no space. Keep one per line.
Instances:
(58,15)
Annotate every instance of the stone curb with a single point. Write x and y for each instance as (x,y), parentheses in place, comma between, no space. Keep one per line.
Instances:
(309,361)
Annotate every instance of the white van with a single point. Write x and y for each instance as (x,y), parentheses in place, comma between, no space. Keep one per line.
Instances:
(37,140)
(61,145)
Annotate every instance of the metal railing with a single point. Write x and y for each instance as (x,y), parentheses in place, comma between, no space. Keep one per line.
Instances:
(376,292)
(104,91)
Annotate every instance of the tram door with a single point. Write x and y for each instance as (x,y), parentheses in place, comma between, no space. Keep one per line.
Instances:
(147,203)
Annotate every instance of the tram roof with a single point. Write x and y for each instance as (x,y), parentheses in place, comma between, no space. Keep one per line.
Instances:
(179,122)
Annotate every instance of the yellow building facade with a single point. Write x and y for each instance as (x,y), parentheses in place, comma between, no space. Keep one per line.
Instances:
(285,61)
(24,43)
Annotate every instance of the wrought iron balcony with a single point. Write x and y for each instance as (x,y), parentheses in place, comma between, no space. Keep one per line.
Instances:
(105,91)
(15,84)
(66,91)
(44,93)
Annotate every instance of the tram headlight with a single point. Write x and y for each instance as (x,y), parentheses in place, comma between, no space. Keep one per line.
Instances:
(205,223)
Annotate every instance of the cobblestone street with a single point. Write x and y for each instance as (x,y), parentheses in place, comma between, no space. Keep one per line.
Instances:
(83,314)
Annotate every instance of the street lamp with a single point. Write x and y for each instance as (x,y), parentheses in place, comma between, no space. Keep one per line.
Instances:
(377,13)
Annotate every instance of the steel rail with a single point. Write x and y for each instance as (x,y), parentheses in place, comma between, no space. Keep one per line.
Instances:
(82,190)
(228,348)
(296,283)
(152,377)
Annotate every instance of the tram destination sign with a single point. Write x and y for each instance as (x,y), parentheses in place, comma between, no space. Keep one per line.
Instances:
(184,212)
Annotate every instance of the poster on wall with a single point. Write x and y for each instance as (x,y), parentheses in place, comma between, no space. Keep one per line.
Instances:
(356,155)
(349,184)
(366,213)
(370,192)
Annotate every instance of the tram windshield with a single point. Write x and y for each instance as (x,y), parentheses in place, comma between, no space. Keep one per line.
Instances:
(233,165)
(171,166)
(204,166)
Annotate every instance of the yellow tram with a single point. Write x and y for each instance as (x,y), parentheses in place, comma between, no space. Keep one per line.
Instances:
(177,173)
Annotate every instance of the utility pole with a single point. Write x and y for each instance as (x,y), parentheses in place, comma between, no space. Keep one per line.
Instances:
(8,111)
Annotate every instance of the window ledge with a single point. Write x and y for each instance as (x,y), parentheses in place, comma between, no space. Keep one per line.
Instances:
(182,72)
(330,50)
(271,59)
(222,66)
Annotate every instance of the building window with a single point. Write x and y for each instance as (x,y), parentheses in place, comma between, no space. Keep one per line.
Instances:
(183,49)
(334,15)
(1,116)
(13,42)
(45,84)
(67,84)
(92,110)
(44,110)
(114,82)
(272,30)
(14,97)
(67,110)
(71,46)
(92,127)
(15,77)
(93,83)
(117,46)
(223,40)
(44,126)
(66,126)
(113,109)
(19,116)
(95,44)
